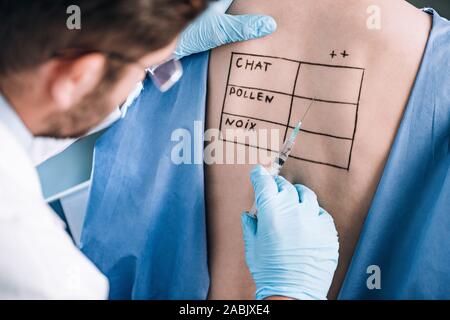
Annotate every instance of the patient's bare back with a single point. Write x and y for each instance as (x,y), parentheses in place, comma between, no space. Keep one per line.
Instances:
(358,78)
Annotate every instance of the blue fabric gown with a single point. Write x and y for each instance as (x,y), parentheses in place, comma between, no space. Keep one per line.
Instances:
(145,224)
(407,230)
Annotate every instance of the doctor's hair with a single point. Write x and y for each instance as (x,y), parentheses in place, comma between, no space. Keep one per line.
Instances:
(32,32)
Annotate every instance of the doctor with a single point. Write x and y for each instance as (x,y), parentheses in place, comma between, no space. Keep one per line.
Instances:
(60,83)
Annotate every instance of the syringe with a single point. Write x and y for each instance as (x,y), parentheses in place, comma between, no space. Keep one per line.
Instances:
(284,154)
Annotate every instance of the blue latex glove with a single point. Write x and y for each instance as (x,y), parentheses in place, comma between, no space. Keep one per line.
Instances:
(292,247)
(215,28)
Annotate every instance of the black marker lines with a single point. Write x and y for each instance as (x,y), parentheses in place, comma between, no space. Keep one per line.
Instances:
(246,105)
(344,54)
(226,92)
(298,61)
(292,100)
(356,121)
(295,96)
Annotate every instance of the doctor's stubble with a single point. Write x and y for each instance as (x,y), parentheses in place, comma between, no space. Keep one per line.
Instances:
(90,112)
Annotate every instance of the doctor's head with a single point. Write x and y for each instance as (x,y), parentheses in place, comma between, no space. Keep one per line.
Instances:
(64,74)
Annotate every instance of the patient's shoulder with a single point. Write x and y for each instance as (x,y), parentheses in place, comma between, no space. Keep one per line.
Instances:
(439,41)
(436,63)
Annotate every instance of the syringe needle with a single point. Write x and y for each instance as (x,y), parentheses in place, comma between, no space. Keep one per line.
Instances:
(307,110)
(285,152)
(300,123)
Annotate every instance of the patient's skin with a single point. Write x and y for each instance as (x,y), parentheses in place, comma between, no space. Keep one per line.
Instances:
(311,30)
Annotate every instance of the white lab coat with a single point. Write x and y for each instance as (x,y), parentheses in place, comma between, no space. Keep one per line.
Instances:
(38,259)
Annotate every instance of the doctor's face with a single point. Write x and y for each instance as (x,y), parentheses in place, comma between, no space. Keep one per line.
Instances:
(104,97)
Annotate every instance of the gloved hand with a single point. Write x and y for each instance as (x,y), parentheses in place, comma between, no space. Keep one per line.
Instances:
(215,28)
(292,247)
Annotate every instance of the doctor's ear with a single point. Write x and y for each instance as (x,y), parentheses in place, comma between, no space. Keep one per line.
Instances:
(75,79)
